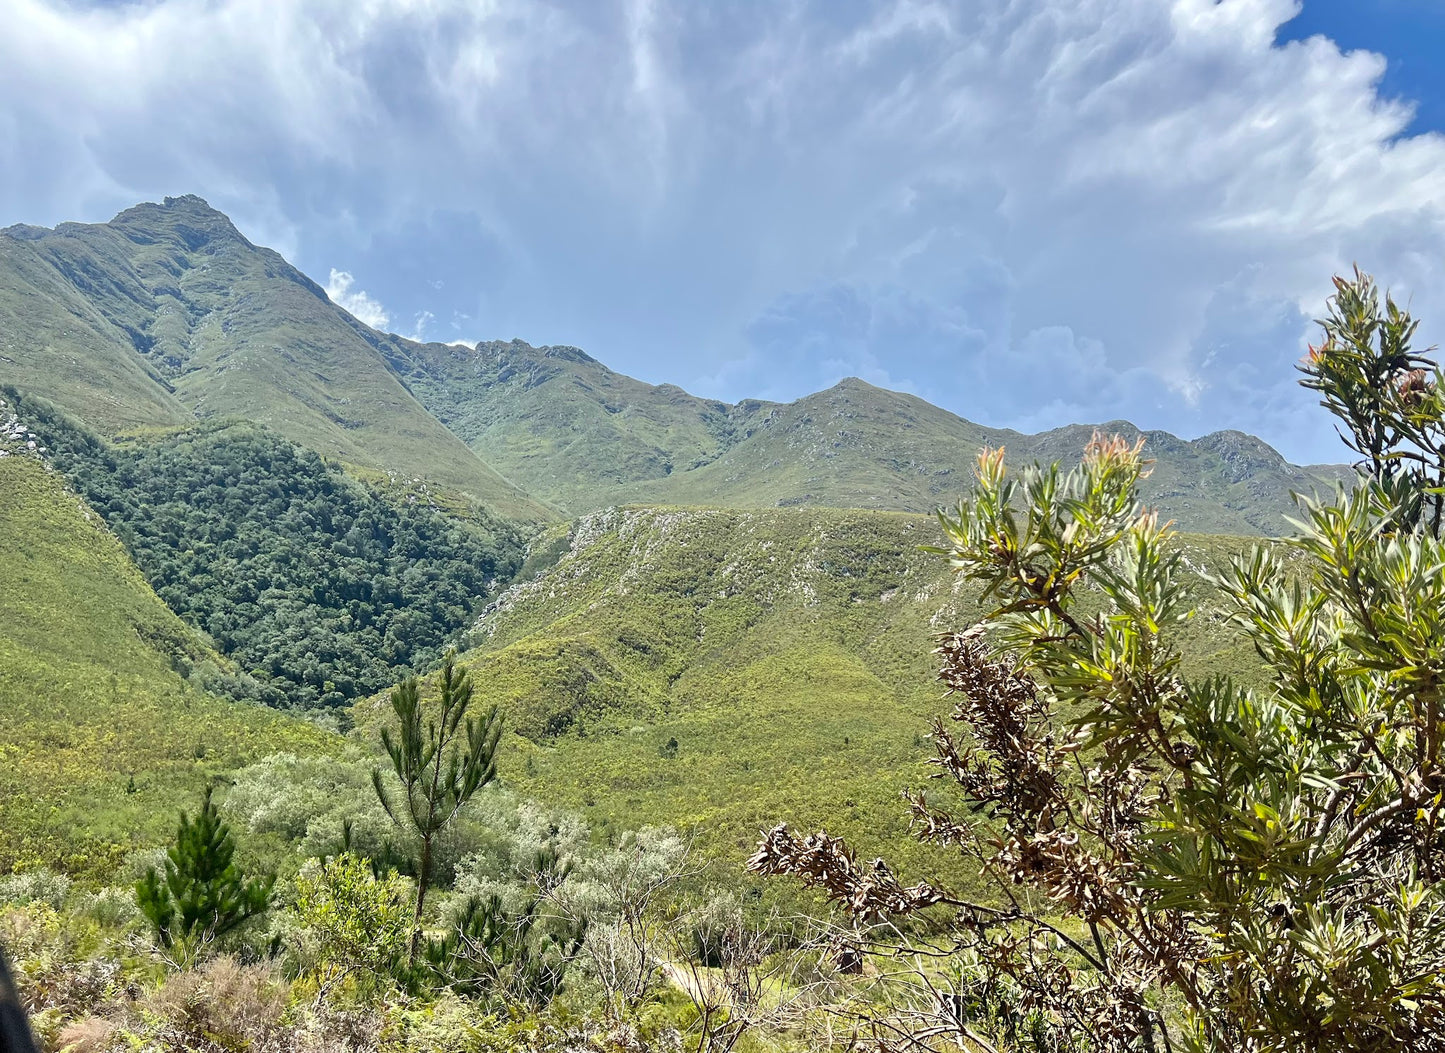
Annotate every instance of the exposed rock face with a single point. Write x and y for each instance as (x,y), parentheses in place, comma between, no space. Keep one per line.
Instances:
(15,436)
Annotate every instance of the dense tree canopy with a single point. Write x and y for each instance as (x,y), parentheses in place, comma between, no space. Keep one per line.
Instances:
(317,585)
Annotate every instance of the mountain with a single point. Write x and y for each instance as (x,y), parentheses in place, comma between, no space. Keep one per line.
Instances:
(106,727)
(724,668)
(583,437)
(581,434)
(167,314)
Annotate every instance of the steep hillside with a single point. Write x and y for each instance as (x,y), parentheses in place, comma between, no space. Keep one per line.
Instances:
(579,433)
(728,668)
(320,586)
(853,445)
(56,340)
(104,730)
(582,436)
(167,313)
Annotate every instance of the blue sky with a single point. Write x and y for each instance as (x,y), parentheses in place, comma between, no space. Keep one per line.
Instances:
(1410,34)
(1030,213)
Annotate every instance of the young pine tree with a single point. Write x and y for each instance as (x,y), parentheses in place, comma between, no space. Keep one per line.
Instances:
(204,894)
(439,769)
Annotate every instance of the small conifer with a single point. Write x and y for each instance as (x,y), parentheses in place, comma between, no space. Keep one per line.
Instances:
(439,764)
(203,894)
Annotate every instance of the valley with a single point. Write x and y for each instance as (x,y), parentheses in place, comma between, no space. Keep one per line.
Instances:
(107,725)
(730,589)
(233,519)
(667,527)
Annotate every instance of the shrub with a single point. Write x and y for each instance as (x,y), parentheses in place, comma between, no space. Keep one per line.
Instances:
(518,845)
(91,1034)
(113,907)
(352,922)
(315,802)
(622,892)
(50,973)
(1267,860)
(221,1006)
(523,953)
(35,886)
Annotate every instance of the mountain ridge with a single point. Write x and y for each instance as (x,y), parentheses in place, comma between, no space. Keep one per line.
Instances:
(190,321)
(168,314)
(850,445)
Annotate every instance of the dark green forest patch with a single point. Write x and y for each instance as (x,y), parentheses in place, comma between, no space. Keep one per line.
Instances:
(320,588)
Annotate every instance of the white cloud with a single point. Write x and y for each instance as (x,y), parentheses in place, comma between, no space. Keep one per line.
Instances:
(362,307)
(1091,208)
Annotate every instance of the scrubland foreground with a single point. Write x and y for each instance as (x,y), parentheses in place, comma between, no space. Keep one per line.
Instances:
(1131,849)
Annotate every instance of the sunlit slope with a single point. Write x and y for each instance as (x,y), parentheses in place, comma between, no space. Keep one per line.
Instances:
(54,339)
(101,736)
(168,311)
(856,445)
(582,436)
(221,328)
(727,669)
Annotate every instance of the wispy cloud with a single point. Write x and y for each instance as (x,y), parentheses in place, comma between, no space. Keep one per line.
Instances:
(1079,209)
(420,324)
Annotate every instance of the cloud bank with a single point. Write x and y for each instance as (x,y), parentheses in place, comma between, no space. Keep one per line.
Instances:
(1030,213)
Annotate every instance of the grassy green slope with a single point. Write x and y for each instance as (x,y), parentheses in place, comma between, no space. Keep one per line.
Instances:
(89,694)
(786,652)
(584,437)
(853,445)
(578,432)
(227,329)
(1226,482)
(54,340)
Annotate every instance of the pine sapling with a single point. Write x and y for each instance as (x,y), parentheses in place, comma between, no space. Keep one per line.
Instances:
(438,768)
(203,894)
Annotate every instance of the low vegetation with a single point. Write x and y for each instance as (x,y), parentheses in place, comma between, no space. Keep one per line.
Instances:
(672,666)
(1187,798)
(540,937)
(106,726)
